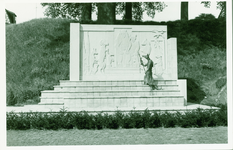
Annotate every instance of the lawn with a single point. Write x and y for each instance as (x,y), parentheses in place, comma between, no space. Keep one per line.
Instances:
(210,135)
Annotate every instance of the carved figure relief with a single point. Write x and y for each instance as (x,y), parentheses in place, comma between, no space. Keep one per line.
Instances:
(111,61)
(157,54)
(94,63)
(86,53)
(158,67)
(102,55)
(145,47)
(126,52)
(144,50)
(122,46)
(134,48)
(158,33)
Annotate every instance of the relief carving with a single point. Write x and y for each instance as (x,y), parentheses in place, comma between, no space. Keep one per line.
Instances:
(155,49)
(158,33)
(94,62)
(158,67)
(133,51)
(122,46)
(128,51)
(111,61)
(102,55)
(86,53)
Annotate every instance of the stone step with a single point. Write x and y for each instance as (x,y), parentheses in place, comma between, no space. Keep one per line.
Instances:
(51,103)
(115,83)
(126,101)
(109,87)
(108,93)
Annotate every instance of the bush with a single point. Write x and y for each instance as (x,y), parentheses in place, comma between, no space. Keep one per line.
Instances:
(11,99)
(221,82)
(154,121)
(111,121)
(83,120)
(168,120)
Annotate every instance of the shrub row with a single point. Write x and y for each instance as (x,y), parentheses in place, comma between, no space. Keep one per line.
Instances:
(133,119)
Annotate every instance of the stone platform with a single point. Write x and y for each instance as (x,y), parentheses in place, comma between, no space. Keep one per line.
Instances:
(113,94)
(57,108)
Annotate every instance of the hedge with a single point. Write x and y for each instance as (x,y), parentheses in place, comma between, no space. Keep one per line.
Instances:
(134,119)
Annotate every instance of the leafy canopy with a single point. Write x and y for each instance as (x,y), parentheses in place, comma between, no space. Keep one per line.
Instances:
(74,10)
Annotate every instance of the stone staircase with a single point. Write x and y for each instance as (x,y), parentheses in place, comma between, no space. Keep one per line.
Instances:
(109,95)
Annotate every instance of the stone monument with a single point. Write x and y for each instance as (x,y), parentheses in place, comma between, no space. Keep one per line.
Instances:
(105,69)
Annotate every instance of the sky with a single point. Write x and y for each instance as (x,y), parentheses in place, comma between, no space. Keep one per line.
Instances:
(26,11)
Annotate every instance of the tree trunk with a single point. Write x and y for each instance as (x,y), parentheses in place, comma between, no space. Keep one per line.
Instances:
(184,11)
(128,11)
(106,13)
(86,12)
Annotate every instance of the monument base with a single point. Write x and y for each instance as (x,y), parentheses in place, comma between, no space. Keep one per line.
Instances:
(109,95)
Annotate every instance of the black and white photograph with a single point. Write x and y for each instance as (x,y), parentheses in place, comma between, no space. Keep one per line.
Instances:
(113,75)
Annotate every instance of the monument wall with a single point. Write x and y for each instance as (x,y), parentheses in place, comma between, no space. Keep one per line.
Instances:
(113,52)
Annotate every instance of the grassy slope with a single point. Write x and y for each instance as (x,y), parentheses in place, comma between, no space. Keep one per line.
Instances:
(37,57)
(37,54)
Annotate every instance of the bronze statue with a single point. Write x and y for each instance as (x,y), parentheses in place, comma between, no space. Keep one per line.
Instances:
(148,78)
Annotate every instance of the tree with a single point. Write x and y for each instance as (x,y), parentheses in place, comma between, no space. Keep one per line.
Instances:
(134,11)
(128,11)
(78,11)
(205,17)
(220,5)
(184,11)
(86,11)
(105,11)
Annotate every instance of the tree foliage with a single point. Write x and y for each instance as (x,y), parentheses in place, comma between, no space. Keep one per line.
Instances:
(106,13)
(75,10)
(69,10)
(220,5)
(206,17)
(138,8)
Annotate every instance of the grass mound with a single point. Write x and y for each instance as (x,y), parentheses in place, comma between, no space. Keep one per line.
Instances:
(37,57)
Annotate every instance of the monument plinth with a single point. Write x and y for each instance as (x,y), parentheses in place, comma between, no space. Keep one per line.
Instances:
(105,69)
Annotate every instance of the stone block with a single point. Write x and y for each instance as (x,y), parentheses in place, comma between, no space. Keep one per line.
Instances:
(142,102)
(169,104)
(149,104)
(90,102)
(78,102)
(123,102)
(96,94)
(130,102)
(156,99)
(162,104)
(156,104)
(150,100)
(168,100)
(136,102)
(116,102)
